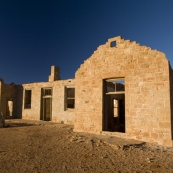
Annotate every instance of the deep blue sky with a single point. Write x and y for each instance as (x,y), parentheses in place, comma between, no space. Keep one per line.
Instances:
(35,34)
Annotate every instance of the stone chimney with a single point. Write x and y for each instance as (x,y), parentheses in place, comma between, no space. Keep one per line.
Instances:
(55,74)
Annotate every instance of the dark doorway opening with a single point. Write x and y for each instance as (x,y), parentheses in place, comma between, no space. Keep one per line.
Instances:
(114,105)
(46,104)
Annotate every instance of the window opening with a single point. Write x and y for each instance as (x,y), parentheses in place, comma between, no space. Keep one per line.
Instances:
(115,86)
(27,104)
(113,44)
(70,98)
(47,92)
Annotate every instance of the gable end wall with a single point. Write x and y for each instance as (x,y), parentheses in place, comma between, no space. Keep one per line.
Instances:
(147,91)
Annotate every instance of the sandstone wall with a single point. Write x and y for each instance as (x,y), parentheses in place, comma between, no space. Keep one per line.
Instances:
(147,91)
(59,114)
(171,101)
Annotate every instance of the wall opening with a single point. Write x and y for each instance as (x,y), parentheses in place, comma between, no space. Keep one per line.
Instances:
(114,105)
(27,102)
(9,108)
(46,104)
(113,44)
(69,97)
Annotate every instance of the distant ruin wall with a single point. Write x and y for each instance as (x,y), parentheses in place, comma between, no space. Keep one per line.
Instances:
(8,94)
(59,114)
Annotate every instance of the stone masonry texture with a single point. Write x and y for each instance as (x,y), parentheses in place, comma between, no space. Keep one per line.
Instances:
(147,75)
(148,93)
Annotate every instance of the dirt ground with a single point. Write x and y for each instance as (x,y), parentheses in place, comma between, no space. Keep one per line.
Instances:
(55,148)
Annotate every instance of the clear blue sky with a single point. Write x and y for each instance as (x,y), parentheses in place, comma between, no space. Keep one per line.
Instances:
(35,34)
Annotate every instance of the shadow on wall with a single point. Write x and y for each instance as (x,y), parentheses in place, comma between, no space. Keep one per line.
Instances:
(19,102)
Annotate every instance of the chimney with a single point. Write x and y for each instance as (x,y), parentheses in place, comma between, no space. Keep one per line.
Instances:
(55,74)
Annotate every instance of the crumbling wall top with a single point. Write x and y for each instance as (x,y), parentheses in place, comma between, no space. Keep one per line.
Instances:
(118,50)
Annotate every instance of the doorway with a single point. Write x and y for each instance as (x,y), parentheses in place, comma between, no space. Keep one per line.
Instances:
(114,105)
(9,108)
(46,104)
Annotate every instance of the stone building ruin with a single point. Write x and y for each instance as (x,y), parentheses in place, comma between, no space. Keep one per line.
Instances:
(123,89)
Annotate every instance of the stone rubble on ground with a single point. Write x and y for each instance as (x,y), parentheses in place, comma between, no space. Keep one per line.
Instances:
(2,120)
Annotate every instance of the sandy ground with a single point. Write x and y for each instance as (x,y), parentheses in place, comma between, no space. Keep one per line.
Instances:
(55,148)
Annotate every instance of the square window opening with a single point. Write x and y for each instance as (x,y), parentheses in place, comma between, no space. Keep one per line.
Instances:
(113,44)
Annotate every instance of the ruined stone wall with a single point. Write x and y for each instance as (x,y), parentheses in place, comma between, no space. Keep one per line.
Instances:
(59,114)
(171,101)
(147,91)
(8,93)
